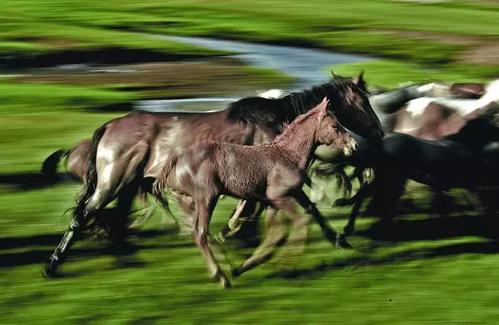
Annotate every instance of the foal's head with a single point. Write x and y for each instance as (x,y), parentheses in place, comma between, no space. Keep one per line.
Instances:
(330,132)
(352,106)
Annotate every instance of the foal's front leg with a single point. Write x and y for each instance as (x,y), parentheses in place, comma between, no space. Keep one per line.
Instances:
(201,233)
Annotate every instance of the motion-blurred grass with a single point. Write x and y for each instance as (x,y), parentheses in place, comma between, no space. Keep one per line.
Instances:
(435,270)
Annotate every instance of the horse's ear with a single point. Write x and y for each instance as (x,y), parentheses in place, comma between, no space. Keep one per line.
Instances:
(359,80)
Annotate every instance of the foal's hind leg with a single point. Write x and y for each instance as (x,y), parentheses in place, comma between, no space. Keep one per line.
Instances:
(275,236)
(329,233)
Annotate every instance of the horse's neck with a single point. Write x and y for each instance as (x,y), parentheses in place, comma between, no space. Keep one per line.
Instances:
(472,140)
(298,142)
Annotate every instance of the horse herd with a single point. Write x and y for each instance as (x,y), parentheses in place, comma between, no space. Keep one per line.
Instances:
(261,150)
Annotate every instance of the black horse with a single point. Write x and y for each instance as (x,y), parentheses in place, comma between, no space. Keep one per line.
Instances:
(468,159)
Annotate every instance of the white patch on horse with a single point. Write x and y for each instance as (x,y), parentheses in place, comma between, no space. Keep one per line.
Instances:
(105,176)
(157,162)
(434,89)
(105,153)
(417,106)
(350,147)
(271,93)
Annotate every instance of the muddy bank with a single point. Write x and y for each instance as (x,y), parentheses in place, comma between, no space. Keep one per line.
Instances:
(209,77)
(109,55)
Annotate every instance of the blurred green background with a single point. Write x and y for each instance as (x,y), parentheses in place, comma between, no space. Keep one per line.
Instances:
(430,269)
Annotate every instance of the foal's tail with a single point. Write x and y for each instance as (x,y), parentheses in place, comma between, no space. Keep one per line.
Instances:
(49,165)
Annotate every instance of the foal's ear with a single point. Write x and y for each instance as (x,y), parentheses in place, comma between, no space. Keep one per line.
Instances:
(323,106)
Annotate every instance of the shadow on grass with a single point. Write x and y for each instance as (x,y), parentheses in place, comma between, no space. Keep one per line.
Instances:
(34,181)
(34,254)
(490,247)
(433,228)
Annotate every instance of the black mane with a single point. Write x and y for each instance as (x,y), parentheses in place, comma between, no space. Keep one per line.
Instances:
(275,113)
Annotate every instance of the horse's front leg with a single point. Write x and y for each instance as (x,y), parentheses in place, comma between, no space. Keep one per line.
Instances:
(234,224)
(244,221)
(329,233)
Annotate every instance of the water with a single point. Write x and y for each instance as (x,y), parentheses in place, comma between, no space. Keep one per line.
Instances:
(307,66)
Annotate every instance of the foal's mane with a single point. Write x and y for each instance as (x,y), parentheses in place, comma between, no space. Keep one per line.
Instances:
(276,112)
(297,123)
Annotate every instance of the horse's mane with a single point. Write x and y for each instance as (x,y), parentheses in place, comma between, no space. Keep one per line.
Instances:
(277,111)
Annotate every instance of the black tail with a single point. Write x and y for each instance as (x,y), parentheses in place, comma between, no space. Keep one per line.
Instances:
(49,165)
(90,181)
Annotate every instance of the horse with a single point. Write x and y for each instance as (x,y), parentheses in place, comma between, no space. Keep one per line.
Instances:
(462,160)
(271,173)
(433,118)
(76,163)
(130,153)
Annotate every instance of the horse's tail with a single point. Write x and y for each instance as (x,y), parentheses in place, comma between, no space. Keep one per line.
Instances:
(49,165)
(159,187)
(90,180)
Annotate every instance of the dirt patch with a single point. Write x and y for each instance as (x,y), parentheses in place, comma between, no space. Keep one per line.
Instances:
(451,39)
(477,49)
(487,54)
(162,79)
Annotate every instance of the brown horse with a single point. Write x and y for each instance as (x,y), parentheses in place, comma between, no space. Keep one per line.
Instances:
(131,152)
(271,173)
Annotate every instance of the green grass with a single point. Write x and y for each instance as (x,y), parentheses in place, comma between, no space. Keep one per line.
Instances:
(360,26)
(450,277)
(390,73)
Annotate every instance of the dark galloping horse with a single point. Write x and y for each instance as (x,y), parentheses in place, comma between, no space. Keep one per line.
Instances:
(462,160)
(131,152)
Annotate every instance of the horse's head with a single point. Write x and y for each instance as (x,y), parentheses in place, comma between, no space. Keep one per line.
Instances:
(352,107)
(331,133)
(479,131)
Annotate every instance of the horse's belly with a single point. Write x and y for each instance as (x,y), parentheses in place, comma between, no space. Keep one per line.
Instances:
(246,190)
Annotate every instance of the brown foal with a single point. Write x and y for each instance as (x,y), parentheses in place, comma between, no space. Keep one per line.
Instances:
(271,173)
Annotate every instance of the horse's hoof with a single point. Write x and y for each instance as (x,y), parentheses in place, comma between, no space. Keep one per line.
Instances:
(220,238)
(341,202)
(342,243)
(49,269)
(225,283)
(236,272)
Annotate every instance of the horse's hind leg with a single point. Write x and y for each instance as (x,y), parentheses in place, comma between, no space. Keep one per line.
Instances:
(85,210)
(62,249)
(111,177)
(361,195)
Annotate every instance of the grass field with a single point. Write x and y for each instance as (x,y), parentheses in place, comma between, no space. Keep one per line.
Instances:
(425,269)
